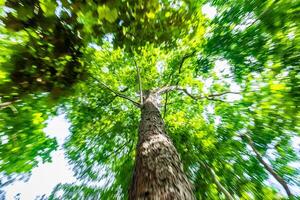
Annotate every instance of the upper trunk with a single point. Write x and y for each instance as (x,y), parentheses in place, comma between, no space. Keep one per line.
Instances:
(158,172)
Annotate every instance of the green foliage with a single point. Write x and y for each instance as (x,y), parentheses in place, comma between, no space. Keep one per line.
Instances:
(23,143)
(79,55)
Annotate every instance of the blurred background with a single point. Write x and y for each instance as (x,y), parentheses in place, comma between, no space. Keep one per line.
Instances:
(65,133)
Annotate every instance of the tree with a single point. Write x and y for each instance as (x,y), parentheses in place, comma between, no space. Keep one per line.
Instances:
(140,73)
(158,173)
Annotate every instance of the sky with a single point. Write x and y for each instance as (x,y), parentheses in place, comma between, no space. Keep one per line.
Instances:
(46,176)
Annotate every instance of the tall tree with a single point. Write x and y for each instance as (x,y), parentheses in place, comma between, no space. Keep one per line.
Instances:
(158,172)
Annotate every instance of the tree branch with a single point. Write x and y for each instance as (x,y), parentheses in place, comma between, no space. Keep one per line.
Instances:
(267,166)
(116,151)
(182,62)
(9,104)
(180,67)
(5,104)
(217,182)
(167,89)
(116,93)
(165,106)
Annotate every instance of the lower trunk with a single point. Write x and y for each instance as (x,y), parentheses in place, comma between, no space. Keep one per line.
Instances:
(158,172)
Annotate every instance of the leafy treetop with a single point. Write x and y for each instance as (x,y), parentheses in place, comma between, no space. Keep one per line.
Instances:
(89,59)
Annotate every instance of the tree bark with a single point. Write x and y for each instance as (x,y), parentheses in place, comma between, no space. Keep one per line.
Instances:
(158,172)
(269,168)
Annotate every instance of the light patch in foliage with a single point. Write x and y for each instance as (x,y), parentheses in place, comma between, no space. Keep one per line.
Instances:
(48,7)
(3,76)
(160,66)
(177,119)
(150,15)
(247,21)
(277,87)
(222,68)
(208,143)
(176,4)
(2,2)
(37,118)
(209,11)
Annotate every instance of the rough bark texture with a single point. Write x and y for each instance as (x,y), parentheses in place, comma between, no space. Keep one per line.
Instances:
(158,173)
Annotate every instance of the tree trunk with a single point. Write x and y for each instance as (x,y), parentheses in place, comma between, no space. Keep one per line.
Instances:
(269,168)
(158,172)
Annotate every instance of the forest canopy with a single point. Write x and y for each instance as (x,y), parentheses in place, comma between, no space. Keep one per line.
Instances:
(165,100)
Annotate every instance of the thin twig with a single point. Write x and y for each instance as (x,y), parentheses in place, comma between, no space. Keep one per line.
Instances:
(117,150)
(5,104)
(139,80)
(208,97)
(182,62)
(116,93)
(170,78)
(10,105)
(166,103)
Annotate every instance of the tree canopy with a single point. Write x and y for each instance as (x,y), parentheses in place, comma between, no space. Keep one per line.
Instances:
(231,90)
